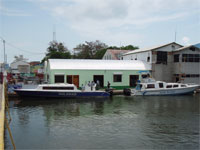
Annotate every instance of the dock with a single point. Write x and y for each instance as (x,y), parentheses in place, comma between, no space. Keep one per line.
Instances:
(2,116)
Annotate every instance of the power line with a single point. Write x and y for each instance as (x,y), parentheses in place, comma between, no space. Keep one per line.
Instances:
(8,43)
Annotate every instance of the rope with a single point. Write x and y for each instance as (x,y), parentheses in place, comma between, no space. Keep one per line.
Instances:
(9,131)
(7,103)
(6,121)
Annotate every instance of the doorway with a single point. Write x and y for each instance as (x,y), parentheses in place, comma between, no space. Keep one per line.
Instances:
(133,80)
(73,79)
(99,78)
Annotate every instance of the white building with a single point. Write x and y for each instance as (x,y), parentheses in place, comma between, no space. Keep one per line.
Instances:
(170,62)
(19,65)
(186,66)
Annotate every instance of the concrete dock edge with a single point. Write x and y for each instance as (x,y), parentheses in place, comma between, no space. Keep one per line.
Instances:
(2,116)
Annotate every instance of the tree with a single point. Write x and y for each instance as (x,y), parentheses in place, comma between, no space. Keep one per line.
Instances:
(57,51)
(128,47)
(99,54)
(89,50)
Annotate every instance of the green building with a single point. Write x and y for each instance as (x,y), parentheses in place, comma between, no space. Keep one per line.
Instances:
(120,73)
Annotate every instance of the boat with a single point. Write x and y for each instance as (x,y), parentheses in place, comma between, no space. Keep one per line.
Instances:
(152,87)
(60,91)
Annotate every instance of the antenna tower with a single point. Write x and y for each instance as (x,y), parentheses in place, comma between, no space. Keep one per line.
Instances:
(54,33)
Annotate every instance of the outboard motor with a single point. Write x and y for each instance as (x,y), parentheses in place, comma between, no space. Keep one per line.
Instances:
(127,92)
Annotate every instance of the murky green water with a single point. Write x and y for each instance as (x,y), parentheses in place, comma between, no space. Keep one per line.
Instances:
(117,123)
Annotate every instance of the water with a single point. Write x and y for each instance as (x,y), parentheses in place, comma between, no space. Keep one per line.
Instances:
(117,123)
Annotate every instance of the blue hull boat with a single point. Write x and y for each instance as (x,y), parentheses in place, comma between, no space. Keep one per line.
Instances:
(59,91)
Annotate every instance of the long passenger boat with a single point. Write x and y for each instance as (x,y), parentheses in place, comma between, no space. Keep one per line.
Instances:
(60,91)
(151,87)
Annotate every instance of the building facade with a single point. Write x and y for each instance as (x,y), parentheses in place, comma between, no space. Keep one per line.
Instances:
(20,66)
(120,74)
(163,64)
(186,66)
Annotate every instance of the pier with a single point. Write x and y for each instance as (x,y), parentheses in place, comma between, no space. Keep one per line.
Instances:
(2,116)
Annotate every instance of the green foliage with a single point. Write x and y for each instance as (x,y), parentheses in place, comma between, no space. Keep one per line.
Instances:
(90,50)
(100,54)
(57,51)
(128,47)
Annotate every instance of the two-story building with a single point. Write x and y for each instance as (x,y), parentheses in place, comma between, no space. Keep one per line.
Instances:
(167,64)
(19,66)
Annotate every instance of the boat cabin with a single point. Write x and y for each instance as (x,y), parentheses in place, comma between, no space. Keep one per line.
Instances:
(159,85)
(57,87)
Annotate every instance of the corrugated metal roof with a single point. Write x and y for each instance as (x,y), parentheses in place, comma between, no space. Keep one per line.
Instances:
(91,64)
(185,47)
(149,49)
(116,52)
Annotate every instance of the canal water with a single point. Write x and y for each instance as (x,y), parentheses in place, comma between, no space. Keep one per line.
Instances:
(116,123)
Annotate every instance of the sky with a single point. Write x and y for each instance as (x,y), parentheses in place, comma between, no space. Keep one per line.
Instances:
(27,26)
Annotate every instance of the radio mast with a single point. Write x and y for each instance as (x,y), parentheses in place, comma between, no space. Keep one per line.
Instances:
(54,33)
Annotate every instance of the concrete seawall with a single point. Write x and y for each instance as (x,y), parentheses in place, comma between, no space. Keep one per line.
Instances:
(2,116)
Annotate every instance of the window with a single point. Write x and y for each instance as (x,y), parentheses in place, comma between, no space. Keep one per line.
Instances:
(59,78)
(144,76)
(161,57)
(176,58)
(191,75)
(57,88)
(187,75)
(190,57)
(160,85)
(148,59)
(192,48)
(117,78)
(149,86)
(197,75)
(175,85)
(184,58)
(69,79)
(196,57)
(169,86)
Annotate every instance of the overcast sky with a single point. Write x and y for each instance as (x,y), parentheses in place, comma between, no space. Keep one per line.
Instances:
(28,25)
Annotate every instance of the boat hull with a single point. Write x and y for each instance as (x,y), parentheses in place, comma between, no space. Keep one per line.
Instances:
(62,94)
(178,91)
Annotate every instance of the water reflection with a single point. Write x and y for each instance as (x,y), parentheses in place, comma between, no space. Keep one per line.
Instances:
(117,123)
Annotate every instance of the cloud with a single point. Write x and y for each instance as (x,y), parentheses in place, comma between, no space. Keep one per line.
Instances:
(11,12)
(97,18)
(186,40)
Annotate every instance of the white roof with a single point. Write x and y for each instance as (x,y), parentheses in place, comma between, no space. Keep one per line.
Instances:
(149,49)
(91,64)
(185,47)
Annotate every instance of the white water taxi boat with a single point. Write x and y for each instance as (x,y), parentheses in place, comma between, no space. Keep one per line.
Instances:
(151,87)
(60,91)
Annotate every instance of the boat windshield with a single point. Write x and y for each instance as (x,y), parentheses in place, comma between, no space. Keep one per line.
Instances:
(57,88)
(138,87)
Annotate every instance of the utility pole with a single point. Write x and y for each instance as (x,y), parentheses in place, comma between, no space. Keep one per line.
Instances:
(175,37)
(175,34)
(4,53)
(54,33)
